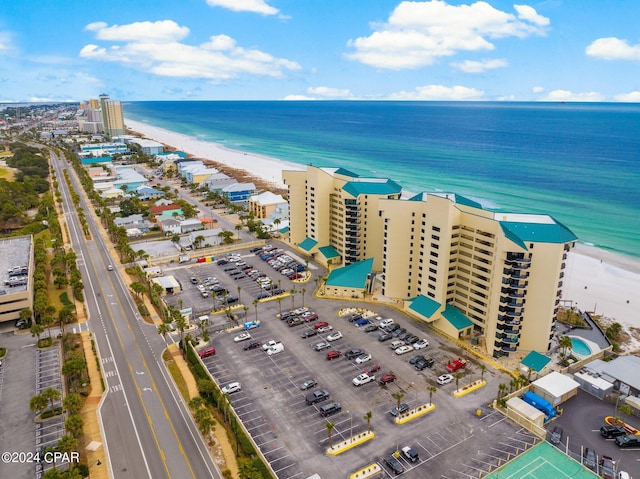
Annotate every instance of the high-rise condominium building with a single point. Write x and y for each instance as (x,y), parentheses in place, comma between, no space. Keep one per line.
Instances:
(112,116)
(468,271)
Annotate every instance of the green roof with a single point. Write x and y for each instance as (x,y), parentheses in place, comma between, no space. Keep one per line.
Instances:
(424,306)
(536,361)
(345,172)
(353,275)
(308,244)
(537,232)
(382,187)
(456,317)
(329,252)
(284,230)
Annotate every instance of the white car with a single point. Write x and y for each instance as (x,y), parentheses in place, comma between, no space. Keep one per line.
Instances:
(231,388)
(404,349)
(325,329)
(269,344)
(363,358)
(242,337)
(422,343)
(445,379)
(363,378)
(334,336)
(278,348)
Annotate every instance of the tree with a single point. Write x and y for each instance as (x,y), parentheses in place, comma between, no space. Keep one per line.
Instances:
(36,330)
(72,403)
(239,289)
(432,390)
(198,240)
(238,228)
(67,444)
(303,290)
(457,377)
(51,395)
(38,403)
(293,295)
(255,305)
(74,425)
(482,369)
(502,388)
(279,300)
(398,397)
(74,366)
(206,426)
(138,288)
(196,403)
(367,417)
(330,426)
(163,329)
(565,343)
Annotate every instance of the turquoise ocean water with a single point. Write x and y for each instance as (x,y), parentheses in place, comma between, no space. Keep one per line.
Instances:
(579,162)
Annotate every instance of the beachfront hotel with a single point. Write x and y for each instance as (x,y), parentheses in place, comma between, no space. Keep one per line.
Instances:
(112,116)
(490,277)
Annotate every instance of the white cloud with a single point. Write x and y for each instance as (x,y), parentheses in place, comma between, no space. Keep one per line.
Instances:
(329,92)
(160,53)
(161,31)
(612,48)
(565,95)
(537,89)
(255,6)
(438,92)
(419,33)
(298,98)
(469,66)
(632,97)
(5,43)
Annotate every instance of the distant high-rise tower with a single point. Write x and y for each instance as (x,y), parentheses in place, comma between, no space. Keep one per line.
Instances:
(112,117)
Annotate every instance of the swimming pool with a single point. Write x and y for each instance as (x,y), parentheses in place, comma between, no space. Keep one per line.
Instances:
(579,347)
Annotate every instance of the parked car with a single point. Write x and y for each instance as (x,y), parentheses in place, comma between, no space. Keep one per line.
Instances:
(421,343)
(308,384)
(317,396)
(231,388)
(410,454)
(242,337)
(321,345)
(320,324)
(362,322)
(393,464)
(308,333)
(556,435)
(268,344)
(363,378)
(251,325)
(412,339)
(353,353)
(353,317)
(399,410)
(628,440)
(333,354)
(363,358)
(205,353)
(251,345)
(445,379)
(329,409)
(396,344)
(384,336)
(426,363)
(334,336)
(456,364)
(375,367)
(416,358)
(589,458)
(404,349)
(611,432)
(385,322)
(370,328)
(325,329)
(387,378)
(607,467)
(278,348)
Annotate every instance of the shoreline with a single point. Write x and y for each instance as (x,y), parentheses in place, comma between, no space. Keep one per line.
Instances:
(595,279)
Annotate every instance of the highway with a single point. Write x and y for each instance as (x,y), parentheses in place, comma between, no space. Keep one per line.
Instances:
(149,430)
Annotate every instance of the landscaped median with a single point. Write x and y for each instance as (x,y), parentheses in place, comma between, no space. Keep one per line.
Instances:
(415,413)
(350,443)
(469,388)
(368,471)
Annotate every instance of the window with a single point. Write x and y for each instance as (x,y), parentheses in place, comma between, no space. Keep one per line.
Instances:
(435,228)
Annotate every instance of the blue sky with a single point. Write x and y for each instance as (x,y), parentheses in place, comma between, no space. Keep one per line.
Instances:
(551,50)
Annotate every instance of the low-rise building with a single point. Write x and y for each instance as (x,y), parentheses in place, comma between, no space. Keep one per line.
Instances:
(264,204)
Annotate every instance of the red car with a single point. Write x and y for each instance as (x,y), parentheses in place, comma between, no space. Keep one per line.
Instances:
(320,324)
(456,364)
(333,354)
(205,353)
(371,369)
(387,378)
(310,317)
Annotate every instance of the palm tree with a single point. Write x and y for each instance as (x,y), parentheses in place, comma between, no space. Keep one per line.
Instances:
(398,397)
(163,329)
(513,384)
(239,289)
(367,417)
(255,305)
(279,300)
(431,389)
(330,426)
(181,324)
(196,403)
(457,377)
(303,291)
(482,368)
(51,395)
(207,425)
(565,343)
(293,295)
(238,227)
(502,388)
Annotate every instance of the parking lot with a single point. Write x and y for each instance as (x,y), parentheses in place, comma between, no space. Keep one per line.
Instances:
(293,435)
(581,420)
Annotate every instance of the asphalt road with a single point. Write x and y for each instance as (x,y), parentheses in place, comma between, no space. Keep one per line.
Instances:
(148,428)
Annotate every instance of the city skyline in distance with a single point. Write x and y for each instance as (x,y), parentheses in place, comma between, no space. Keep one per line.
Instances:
(278,49)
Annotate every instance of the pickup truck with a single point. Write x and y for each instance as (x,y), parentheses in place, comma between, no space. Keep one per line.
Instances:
(456,364)
(363,378)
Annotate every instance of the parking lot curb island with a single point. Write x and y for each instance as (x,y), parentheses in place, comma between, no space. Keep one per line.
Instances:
(350,443)
(415,413)
(368,471)
(469,388)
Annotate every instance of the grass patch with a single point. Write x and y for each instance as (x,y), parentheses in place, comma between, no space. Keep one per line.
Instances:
(64,299)
(571,318)
(45,342)
(176,374)
(50,413)
(3,352)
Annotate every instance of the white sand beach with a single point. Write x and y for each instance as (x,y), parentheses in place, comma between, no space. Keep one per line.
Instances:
(595,280)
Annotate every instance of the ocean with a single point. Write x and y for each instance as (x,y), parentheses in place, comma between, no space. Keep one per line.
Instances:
(579,162)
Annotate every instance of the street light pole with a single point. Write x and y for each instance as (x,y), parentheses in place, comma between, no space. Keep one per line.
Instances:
(350,425)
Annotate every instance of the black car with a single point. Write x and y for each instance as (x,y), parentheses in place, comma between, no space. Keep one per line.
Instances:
(426,363)
(263,296)
(392,328)
(416,358)
(412,339)
(589,457)
(308,333)
(384,336)
(317,396)
(251,345)
(353,353)
(398,332)
(370,328)
(556,435)
(354,317)
(256,249)
(628,440)
(612,431)
(607,467)
(401,410)
(222,262)
(393,464)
